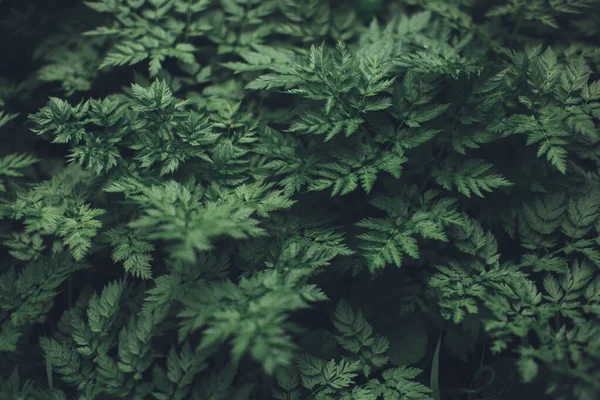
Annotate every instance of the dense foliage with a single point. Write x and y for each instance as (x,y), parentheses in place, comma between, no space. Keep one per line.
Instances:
(300,199)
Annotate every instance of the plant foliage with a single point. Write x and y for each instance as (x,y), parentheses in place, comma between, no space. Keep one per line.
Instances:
(300,200)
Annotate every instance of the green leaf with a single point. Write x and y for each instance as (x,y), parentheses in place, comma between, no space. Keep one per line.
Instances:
(472,176)
(528,369)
